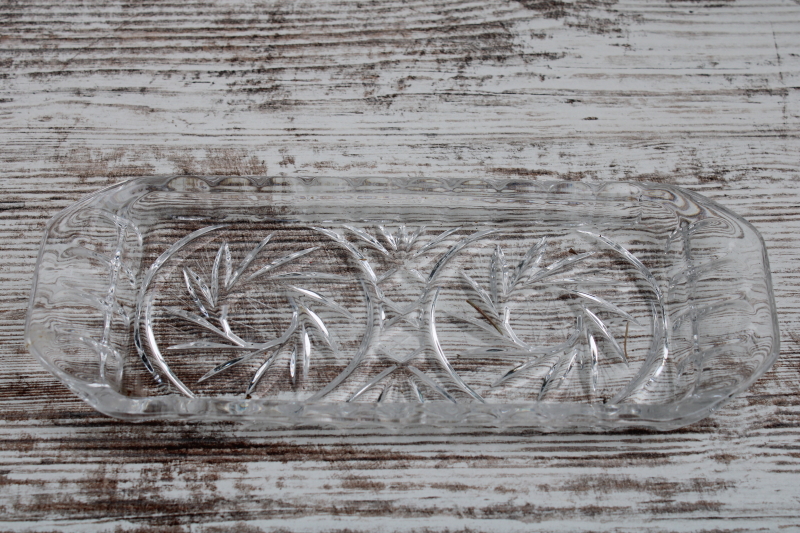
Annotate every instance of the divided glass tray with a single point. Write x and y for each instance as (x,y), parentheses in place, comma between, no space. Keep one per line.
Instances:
(400,303)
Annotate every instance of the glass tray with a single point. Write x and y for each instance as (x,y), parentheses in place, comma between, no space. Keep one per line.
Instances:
(478,303)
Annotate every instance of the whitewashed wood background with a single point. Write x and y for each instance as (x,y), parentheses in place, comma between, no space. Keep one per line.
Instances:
(701,93)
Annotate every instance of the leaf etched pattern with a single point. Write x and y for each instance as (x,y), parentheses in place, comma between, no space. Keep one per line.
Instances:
(380,255)
(210,296)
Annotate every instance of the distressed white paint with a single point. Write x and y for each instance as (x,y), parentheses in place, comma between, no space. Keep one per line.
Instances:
(704,94)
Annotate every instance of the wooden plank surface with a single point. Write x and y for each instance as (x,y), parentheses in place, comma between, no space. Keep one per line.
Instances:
(704,94)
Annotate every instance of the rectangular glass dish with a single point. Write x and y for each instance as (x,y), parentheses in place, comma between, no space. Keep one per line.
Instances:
(477,303)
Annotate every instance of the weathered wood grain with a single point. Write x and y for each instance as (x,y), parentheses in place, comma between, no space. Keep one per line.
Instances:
(705,94)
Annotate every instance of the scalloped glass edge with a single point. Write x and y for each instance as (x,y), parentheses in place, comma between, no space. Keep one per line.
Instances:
(433,415)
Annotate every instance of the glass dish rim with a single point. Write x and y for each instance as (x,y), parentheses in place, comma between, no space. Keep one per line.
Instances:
(604,416)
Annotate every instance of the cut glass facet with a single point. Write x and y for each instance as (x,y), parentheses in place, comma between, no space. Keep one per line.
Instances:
(415,302)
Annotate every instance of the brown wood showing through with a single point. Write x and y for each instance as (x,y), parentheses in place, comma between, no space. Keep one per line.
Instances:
(701,93)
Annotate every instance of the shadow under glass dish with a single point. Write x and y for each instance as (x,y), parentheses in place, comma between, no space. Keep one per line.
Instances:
(401,303)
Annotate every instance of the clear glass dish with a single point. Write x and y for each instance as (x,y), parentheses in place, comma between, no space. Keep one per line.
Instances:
(479,303)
